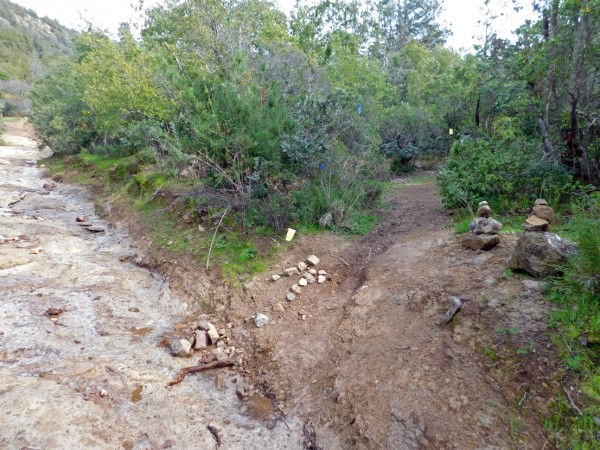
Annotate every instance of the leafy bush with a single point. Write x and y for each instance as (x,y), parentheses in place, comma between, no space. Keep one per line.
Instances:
(510,176)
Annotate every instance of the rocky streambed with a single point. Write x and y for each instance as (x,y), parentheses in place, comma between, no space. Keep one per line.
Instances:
(80,324)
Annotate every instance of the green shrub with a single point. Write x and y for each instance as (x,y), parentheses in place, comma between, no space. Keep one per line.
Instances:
(510,176)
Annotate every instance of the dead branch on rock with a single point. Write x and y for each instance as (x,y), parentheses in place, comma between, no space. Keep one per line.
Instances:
(454,307)
(201,368)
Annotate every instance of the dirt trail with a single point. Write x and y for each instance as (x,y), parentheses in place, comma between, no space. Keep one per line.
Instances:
(363,361)
(94,376)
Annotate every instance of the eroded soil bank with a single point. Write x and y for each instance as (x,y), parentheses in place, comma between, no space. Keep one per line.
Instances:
(94,376)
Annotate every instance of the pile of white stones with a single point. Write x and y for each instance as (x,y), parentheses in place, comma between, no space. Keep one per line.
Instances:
(308,275)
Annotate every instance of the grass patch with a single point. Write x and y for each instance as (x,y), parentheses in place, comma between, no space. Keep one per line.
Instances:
(419,181)
(11,119)
(362,224)
(575,325)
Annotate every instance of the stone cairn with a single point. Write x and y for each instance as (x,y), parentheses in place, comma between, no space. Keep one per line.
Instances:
(539,252)
(483,234)
(541,216)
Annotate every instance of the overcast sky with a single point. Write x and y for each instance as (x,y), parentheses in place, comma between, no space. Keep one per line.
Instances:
(461,16)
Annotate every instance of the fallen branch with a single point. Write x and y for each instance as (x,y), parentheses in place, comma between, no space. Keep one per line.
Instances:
(215,235)
(454,307)
(337,257)
(573,405)
(201,368)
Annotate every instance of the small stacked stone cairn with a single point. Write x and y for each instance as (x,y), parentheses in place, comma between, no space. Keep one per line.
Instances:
(541,216)
(483,234)
(538,251)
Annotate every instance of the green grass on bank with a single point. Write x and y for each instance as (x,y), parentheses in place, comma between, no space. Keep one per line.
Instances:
(238,252)
(137,185)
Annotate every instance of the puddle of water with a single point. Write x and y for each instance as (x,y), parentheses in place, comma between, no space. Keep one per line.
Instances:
(259,407)
(136,394)
(141,331)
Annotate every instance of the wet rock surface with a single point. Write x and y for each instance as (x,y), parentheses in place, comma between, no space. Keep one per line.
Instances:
(94,375)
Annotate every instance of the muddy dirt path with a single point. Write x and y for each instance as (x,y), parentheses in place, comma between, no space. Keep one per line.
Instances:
(362,360)
(93,376)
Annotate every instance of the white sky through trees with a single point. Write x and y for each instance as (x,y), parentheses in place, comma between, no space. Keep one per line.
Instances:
(461,16)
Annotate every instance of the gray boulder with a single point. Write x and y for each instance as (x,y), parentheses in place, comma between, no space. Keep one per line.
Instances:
(484,225)
(481,241)
(180,347)
(541,254)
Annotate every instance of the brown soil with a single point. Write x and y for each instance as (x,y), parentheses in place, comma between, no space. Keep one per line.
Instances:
(361,359)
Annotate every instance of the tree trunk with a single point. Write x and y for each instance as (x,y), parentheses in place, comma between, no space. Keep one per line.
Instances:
(548,147)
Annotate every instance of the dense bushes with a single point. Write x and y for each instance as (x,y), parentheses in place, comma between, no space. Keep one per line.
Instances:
(510,175)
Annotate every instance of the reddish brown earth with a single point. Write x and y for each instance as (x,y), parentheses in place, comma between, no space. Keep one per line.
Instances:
(368,367)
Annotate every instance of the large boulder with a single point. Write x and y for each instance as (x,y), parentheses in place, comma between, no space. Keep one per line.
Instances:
(480,241)
(483,225)
(541,254)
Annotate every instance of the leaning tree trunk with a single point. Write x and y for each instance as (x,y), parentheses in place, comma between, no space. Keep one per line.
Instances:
(577,93)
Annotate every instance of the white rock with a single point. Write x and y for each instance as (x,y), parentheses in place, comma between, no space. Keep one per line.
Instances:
(275,277)
(290,297)
(219,352)
(313,272)
(291,271)
(302,282)
(201,340)
(302,266)
(322,272)
(321,279)
(103,393)
(213,334)
(309,278)
(180,347)
(295,289)
(312,260)
(261,320)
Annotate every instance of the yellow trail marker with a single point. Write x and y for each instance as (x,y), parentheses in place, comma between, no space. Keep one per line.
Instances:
(290,234)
